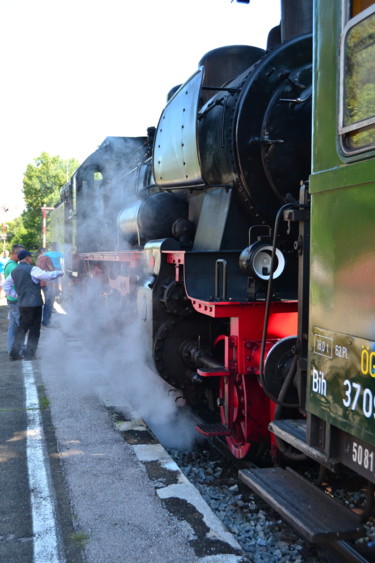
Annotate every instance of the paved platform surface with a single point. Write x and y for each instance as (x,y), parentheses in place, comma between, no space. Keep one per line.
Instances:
(112,500)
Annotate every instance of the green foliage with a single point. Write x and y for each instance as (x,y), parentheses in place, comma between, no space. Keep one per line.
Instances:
(16,233)
(41,187)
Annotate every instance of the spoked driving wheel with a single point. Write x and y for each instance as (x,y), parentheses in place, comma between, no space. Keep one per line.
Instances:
(245,411)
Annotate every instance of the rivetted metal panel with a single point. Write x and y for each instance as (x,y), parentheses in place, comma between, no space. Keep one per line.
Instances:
(176,157)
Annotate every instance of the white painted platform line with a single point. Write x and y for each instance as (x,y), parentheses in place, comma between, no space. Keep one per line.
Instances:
(45,536)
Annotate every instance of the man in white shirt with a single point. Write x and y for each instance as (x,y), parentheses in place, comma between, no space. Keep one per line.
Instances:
(24,283)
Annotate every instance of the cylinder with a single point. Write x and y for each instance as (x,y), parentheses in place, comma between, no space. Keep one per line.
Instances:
(152,218)
(127,223)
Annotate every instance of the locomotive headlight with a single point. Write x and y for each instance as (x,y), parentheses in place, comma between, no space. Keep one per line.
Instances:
(255,260)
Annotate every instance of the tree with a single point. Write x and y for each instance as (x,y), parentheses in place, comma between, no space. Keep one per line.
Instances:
(41,187)
(16,233)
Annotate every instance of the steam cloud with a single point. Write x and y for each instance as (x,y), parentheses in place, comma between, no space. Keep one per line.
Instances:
(117,343)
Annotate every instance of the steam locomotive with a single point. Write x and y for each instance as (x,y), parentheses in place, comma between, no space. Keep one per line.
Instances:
(243,244)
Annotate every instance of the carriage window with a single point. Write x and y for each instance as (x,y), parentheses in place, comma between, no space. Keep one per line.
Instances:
(357,83)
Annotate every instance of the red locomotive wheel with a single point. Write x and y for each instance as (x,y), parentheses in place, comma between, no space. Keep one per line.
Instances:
(233,396)
(244,410)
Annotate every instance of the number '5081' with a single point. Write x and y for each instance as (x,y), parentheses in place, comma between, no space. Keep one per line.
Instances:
(362,456)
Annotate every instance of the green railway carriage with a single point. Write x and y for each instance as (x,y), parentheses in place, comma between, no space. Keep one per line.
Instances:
(341,373)
(336,337)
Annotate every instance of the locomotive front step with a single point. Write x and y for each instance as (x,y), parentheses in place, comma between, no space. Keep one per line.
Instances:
(315,515)
(293,432)
(213,429)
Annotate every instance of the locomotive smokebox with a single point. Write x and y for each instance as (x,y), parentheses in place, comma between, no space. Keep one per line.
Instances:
(151,218)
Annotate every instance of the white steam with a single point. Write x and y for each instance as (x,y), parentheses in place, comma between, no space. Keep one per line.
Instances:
(117,346)
(114,355)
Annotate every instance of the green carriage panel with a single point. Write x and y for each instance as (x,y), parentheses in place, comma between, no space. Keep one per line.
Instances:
(341,363)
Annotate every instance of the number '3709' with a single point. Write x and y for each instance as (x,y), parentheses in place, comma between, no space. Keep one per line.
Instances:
(357,398)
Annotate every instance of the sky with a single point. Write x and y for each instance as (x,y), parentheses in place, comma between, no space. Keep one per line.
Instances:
(76,71)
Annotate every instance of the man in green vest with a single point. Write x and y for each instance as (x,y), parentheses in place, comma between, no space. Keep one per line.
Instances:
(12,303)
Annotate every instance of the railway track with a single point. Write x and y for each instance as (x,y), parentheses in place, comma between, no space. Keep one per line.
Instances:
(352,551)
(260,532)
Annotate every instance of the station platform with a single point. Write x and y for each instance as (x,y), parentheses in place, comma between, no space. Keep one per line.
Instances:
(72,488)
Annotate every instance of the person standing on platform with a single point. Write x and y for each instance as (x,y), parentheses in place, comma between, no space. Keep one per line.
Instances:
(3,260)
(26,281)
(49,289)
(56,257)
(12,302)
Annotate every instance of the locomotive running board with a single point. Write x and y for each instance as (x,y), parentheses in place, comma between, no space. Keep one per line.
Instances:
(213,429)
(212,372)
(315,515)
(293,432)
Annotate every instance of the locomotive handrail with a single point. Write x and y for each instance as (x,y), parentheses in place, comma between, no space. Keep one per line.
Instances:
(221,89)
(259,231)
(222,262)
(292,205)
